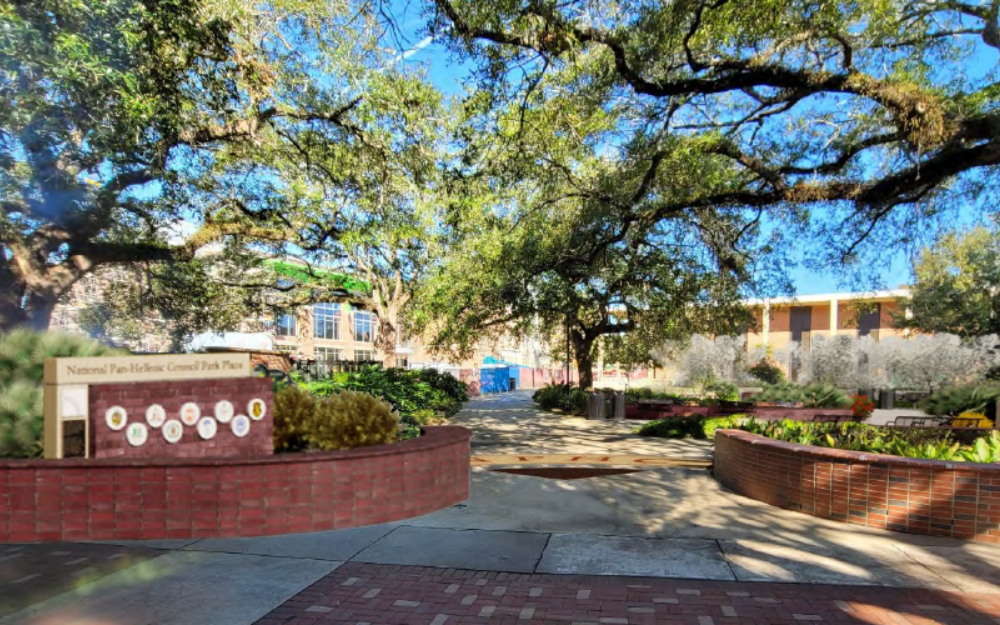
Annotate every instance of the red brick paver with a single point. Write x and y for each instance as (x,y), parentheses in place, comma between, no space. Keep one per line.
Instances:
(358,593)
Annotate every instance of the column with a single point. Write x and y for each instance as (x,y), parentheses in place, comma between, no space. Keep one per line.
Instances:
(834,306)
(766,320)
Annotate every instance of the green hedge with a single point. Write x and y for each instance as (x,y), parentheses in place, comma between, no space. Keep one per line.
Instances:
(419,396)
(688,426)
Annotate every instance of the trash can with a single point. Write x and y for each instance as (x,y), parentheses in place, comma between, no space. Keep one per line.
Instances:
(619,406)
(887,399)
(595,406)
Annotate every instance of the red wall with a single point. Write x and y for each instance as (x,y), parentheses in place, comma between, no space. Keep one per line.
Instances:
(957,499)
(135,397)
(128,498)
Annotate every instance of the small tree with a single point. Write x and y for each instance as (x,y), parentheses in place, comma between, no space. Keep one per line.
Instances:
(931,362)
(703,360)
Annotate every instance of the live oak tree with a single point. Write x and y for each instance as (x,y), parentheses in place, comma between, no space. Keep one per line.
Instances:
(548,234)
(555,219)
(121,119)
(850,120)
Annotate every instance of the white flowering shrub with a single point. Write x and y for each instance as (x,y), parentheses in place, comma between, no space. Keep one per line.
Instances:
(703,359)
(926,362)
(930,362)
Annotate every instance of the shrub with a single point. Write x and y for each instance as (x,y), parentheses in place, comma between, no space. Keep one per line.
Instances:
(767,372)
(986,449)
(566,398)
(955,400)
(810,396)
(293,414)
(721,390)
(452,386)
(925,443)
(349,419)
(682,426)
(21,424)
(709,426)
(980,418)
(406,391)
(862,407)
(425,416)
(22,361)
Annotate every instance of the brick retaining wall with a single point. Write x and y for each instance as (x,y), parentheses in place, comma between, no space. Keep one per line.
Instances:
(131,498)
(956,499)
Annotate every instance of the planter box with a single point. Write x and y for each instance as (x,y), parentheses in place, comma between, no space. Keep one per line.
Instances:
(931,497)
(157,498)
(764,413)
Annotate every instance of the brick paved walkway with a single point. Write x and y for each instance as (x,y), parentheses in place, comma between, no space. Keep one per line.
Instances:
(358,594)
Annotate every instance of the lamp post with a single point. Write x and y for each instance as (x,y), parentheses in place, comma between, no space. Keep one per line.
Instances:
(567,351)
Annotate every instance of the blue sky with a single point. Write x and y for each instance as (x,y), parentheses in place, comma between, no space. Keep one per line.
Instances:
(451,76)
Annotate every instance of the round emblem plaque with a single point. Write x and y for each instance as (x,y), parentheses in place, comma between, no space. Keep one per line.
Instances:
(137,434)
(240,425)
(257,408)
(190,413)
(116,418)
(207,427)
(155,415)
(224,411)
(172,431)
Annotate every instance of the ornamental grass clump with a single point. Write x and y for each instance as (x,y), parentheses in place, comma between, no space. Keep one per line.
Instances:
(350,419)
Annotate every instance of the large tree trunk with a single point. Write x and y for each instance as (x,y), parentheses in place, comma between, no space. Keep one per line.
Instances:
(583,350)
(11,297)
(38,310)
(385,341)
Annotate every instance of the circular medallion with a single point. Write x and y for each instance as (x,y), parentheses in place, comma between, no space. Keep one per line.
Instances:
(116,418)
(137,434)
(190,413)
(155,415)
(207,427)
(257,409)
(172,431)
(224,411)
(240,425)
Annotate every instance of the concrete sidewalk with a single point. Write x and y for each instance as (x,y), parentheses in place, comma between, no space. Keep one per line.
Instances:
(509,423)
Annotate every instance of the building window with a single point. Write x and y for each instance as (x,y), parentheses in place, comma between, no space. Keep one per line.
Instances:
(288,349)
(328,354)
(364,326)
(327,318)
(285,325)
(364,355)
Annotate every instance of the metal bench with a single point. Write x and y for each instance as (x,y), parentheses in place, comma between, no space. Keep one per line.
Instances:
(915,422)
(832,418)
(737,407)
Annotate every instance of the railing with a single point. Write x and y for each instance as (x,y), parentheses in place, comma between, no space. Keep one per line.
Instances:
(320,369)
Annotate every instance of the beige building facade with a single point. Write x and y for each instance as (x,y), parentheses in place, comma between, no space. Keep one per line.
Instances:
(782,320)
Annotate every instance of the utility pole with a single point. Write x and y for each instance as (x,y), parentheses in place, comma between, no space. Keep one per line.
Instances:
(567,350)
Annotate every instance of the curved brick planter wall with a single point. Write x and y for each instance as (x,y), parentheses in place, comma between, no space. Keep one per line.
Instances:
(763,413)
(125,499)
(957,499)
